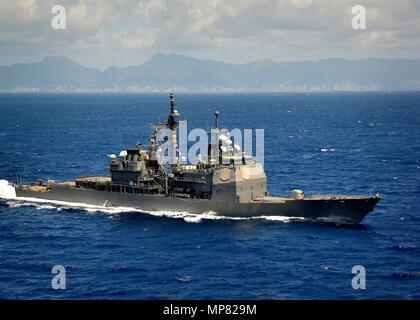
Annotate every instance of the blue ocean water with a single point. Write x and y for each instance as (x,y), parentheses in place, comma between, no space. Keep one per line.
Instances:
(356,143)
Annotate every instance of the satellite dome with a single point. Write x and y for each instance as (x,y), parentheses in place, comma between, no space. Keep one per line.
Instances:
(123,153)
(223,138)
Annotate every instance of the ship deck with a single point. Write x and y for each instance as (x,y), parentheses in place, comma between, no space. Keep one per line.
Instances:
(314,197)
(94,179)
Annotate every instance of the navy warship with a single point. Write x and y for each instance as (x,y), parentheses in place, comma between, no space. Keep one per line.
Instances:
(226,182)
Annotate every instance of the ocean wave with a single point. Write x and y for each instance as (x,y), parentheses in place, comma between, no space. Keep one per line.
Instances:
(404,275)
(184,279)
(403,247)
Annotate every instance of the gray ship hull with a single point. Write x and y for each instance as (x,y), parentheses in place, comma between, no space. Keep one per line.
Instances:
(338,209)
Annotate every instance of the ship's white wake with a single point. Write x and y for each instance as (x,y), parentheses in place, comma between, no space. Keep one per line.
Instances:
(6,190)
(43,204)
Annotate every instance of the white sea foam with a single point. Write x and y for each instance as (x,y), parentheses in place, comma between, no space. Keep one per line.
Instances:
(6,190)
(43,204)
(282,218)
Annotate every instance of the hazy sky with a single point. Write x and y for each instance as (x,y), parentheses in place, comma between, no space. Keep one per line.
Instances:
(119,33)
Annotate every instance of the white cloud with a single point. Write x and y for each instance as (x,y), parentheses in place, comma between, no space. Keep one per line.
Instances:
(142,39)
(117,32)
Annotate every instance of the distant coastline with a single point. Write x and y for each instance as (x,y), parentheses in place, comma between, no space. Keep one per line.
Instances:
(165,72)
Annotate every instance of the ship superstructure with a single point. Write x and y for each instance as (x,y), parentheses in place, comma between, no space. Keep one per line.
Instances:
(223,174)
